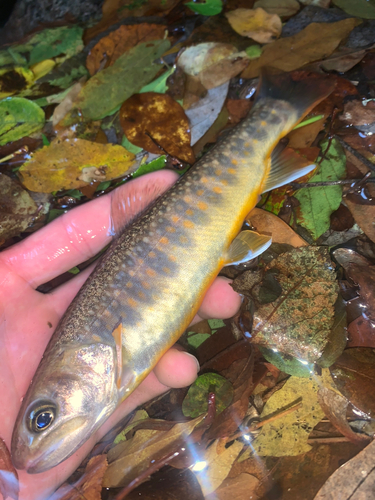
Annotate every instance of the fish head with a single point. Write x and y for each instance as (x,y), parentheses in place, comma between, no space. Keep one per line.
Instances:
(72,394)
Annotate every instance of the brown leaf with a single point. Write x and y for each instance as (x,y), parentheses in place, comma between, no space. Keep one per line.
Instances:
(236,488)
(8,474)
(354,375)
(238,109)
(267,223)
(303,137)
(280,7)
(316,41)
(342,60)
(89,486)
(154,121)
(255,24)
(361,333)
(111,47)
(354,480)
(341,219)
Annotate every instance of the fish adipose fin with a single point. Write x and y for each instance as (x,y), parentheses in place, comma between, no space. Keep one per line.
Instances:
(286,166)
(246,246)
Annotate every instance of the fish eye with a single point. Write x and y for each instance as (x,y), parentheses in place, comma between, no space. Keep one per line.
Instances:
(42,417)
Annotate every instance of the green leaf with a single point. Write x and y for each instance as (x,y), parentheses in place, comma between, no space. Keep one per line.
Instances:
(196,339)
(19,118)
(313,119)
(206,8)
(196,400)
(318,203)
(286,363)
(154,165)
(45,140)
(129,146)
(159,85)
(54,213)
(215,324)
(128,75)
(74,270)
(357,8)
(103,186)
(253,51)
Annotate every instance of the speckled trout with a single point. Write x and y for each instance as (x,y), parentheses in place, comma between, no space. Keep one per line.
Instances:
(151,281)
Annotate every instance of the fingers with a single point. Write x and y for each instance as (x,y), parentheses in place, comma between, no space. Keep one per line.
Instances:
(220,301)
(79,234)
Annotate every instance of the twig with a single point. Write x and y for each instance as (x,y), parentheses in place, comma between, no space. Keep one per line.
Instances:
(6,158)
(344,182)
(329,440)
(355,153)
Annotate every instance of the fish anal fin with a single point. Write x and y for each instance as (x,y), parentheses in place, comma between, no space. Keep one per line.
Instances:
(247,245)
(286,166)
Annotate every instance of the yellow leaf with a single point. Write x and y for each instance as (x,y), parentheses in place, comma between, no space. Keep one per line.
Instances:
(42,68)
(317,41)
(73,163)
(255,24)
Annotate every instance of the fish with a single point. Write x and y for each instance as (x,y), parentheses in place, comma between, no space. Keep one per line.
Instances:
(149,284)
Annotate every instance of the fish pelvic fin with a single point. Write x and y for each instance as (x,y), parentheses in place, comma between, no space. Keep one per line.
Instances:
(246,246)
(304,95)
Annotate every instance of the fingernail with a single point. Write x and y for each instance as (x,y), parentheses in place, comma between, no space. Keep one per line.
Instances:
(195,359)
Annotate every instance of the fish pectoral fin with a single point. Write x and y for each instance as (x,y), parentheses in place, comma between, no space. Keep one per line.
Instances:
(286,166)
(246,246)
(117,335)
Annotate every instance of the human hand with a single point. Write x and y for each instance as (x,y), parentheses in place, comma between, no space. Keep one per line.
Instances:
(28,319)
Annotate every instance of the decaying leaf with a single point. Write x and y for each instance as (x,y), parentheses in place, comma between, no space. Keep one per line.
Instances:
(74,163)
(255,24)
(89,486)
(111,47)
(17,209)
(19,117)
(196,400)
(299,321)
(14,79)
(359,8)
(128,75)
(279,7)
(8,474)
(206,7)
(214,467)
(157,123)
(287,436)
(134,456)
(317,206)
(212,63)
(67,102)
(236,488)
(361,333)
(315,42)
(343,59)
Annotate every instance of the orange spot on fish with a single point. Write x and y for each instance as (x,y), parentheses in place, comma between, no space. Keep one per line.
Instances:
(263,123)
(172,258)
(150,272)
(175,218)
(255,141)
(189,212)
(188,224)
(96,337)
(204,180)
(183,239)
(224,182)
(132,302)
(232,170)
(131,272)
(164,240)
(217,190)
(146,285)
(247,144)
(166,270)
(141,295)
(234,162)
(201,205)
(129,284)
(200,192)
(218,171)
(187,199)
(170,229)
(152,255)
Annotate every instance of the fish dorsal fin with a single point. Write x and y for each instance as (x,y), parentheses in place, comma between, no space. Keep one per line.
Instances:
(247,245)
(130,200)
(286,166)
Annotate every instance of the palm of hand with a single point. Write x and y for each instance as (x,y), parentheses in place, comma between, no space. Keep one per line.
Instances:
(28,318)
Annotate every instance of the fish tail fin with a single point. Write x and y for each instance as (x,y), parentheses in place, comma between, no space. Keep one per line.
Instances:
(304,95)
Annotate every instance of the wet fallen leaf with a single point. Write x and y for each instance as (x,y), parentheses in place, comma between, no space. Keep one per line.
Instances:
(74,163)
(318,203)
(14,80)
(89,486)
(8,475)
(341,219)
(361,333)
(212,63)
(354,480)
(265,222)
(196,400)
(343,59)
(139,416)
(299,321)
(67,102)
(19,117)
(157,123)
(128,75)
(315,42)
(256,24)
(135,455)
(203,113)
(111,47)
(359,8)
(335,407)
(237,109)
(206,7)
(215,466)
(304,137)
(240,487)
(361,114)
(354,375)
(282,8)
(17,209)
(288,434)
